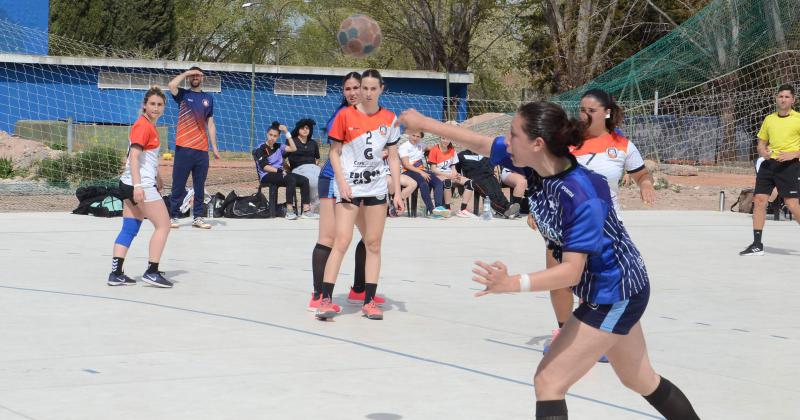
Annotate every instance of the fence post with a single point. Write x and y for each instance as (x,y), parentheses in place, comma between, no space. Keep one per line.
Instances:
(655,104)
(447,88)
(69,135)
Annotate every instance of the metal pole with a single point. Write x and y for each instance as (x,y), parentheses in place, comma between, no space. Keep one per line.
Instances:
(253,102)
(655,105)
(70,134)
(278,50)
(447,91)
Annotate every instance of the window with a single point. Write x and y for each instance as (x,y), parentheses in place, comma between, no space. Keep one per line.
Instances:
(301,87)
(143,81)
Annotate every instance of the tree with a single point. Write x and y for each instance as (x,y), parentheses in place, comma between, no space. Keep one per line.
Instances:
(571,42)
(113,27)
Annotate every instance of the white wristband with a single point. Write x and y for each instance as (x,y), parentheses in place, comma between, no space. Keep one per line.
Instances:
(524,282)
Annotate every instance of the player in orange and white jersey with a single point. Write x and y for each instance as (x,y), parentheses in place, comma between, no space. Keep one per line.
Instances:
(607,152)
(359,135)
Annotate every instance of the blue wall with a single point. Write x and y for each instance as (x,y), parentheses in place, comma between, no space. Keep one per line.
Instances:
(32,14)
(47,92)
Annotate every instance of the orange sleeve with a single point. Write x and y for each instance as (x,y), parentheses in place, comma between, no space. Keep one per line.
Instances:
(140,134)
(338,129)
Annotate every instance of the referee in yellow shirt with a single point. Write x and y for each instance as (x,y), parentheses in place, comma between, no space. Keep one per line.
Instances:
(779,145)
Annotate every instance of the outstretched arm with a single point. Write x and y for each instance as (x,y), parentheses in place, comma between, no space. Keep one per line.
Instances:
(478,143)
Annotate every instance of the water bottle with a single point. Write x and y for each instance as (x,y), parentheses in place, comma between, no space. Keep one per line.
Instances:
(210,209)
(486,215)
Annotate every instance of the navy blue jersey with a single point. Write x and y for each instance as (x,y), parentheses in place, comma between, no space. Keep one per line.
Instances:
(327,169)
(574,213)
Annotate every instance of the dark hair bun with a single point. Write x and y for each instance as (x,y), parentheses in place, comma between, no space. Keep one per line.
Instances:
(275,126)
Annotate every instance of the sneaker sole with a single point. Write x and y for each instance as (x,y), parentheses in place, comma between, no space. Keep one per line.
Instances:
(325,315)
(361,302)
(753,254)
(110,283)
(373,317)
(156,284)
(201,227)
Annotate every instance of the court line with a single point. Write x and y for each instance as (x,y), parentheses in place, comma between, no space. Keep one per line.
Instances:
(329,337)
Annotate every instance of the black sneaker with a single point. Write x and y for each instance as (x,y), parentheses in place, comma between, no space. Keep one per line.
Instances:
(120,280)
(753,249)
(156,279)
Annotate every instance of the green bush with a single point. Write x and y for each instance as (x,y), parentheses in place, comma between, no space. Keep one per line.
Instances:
(6,168)
(56,170)
(97,163)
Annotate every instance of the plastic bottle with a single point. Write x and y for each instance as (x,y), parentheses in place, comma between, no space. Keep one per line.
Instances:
(486,215)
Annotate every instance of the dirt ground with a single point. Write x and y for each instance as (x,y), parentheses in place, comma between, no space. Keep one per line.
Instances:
(700,192)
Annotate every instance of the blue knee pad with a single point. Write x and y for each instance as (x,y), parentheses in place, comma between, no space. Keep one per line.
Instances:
(130,227)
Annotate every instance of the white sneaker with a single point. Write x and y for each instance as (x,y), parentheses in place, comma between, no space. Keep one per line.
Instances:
(291,215)
(200,223)
(466,214)
(173,223)
(442,211)
(309,215)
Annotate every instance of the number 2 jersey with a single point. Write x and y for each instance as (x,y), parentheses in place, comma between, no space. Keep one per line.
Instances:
(364,137)
(574,213)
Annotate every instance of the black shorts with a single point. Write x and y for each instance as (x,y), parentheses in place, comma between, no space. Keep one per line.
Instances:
(617,318)
(366,201)
(783,175)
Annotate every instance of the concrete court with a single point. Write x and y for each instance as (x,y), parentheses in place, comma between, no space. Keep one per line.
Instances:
(233,340)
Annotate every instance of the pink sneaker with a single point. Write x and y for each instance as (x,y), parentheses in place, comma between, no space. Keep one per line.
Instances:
(358,298)
(313,304)
(325,310)
(372,311)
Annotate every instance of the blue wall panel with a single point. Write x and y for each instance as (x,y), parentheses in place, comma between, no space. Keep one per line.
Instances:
(48,92)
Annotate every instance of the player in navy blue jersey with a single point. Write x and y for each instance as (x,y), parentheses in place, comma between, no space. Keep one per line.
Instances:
(573,210)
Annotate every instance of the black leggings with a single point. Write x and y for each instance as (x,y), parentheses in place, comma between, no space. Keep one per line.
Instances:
(490,187)
(291,182)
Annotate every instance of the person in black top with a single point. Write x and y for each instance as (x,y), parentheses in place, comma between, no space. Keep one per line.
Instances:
(269,166)
(305,160)
(481,172)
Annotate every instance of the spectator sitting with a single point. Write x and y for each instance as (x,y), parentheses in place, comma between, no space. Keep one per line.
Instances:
(269,166)
(305,161)
(412,155)
(518,185)
(481,172)
(443,159)
(407,185)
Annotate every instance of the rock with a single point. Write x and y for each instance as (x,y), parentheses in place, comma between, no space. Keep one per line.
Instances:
(679,170)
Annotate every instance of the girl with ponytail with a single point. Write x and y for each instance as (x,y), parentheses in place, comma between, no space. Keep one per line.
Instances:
(573,210)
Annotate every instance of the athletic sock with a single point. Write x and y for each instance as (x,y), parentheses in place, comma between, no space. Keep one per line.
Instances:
(551,410)
(757,236)
(447,206)
(116,265)
(327,290)
(463,206)
(560,325)
(152,267)
(668,400)
(371,289)
(319,257)
(361,261)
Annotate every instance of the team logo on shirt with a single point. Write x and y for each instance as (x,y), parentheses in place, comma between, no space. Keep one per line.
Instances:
(383,130)
(612,152)
(205,103)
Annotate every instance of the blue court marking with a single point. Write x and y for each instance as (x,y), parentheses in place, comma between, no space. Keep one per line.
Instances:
(341,340)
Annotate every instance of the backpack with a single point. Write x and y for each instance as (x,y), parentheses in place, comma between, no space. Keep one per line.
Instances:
(99,201)
(745,201)
(250,207)
(217,203)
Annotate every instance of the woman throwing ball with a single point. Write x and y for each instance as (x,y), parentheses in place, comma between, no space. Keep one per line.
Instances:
(140,185)
(572,208)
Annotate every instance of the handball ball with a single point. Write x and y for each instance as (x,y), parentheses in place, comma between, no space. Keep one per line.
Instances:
(359,36)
